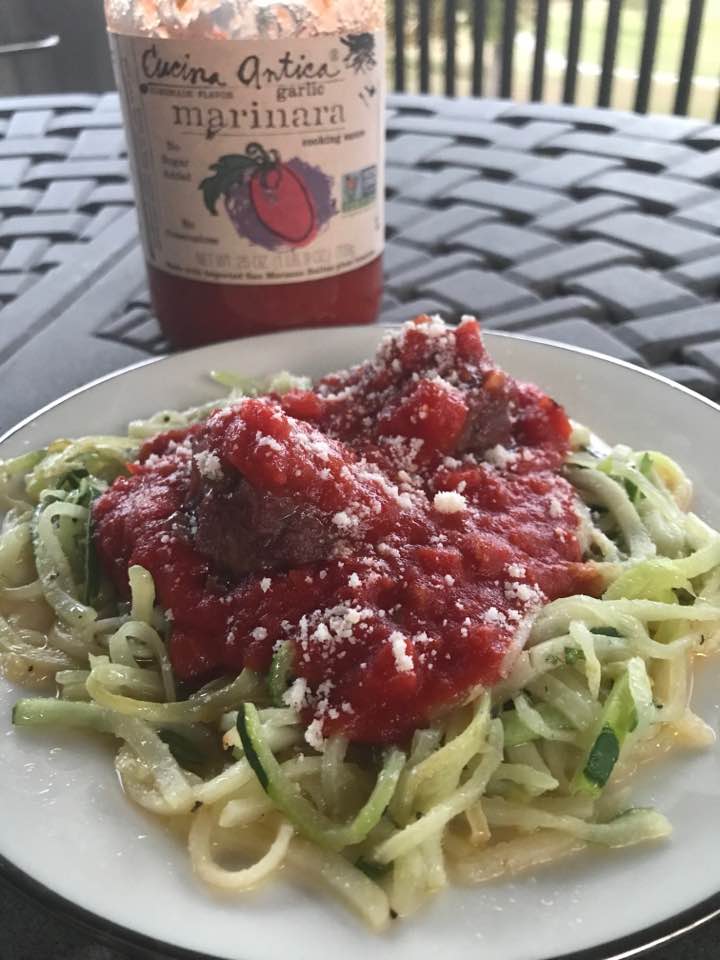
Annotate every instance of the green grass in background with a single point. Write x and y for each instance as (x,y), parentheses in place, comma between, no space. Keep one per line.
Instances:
(632,27)
(667,55)
(704,94)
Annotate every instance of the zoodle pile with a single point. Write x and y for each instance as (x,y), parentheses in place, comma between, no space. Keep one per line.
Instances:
(515,776)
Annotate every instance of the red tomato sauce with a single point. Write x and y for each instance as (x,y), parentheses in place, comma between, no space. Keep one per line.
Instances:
(193,312)
(399,525)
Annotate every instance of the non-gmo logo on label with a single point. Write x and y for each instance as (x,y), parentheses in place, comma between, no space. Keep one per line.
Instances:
(359,188)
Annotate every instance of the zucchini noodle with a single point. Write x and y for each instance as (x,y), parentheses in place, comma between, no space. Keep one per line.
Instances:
(517,776)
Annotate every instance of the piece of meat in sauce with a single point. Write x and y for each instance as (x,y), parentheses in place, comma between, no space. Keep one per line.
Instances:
(243,530)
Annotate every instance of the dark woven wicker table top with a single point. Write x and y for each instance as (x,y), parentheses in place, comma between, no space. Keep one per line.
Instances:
(586,226)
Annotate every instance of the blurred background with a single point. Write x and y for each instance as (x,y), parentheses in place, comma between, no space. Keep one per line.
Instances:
(53,45)
(59,45)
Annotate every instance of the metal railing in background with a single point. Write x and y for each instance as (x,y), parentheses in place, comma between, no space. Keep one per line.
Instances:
(689,54)
(443,45)
(661,55)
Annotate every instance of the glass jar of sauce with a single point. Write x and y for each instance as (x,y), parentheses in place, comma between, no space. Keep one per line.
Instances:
(255,133)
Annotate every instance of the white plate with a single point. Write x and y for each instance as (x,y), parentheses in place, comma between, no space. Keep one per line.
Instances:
(65,825)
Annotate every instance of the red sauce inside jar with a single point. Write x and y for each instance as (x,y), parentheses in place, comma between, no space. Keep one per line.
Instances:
(192,312)
(399,525)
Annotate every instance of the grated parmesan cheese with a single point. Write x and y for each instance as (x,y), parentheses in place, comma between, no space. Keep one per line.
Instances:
(209,465)
(261,440)
(522,592)
(344,520)
(449,501)
(500,456)
(493,615)
(296,695)
(403,661)
(321,633)
(314,736)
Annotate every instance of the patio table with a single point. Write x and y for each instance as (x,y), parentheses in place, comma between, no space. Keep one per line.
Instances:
(587,226)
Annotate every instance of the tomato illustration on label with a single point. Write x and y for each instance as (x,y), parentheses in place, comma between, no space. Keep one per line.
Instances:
(283,203)
(271,202)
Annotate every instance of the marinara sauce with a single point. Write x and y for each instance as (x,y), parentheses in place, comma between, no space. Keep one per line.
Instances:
(398,526)
(192,312)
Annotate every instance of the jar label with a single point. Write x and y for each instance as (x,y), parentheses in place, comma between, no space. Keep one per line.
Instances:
(256,161)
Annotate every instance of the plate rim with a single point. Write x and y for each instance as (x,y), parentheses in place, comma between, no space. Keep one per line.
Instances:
(114,934)
(622,948)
